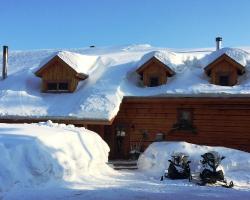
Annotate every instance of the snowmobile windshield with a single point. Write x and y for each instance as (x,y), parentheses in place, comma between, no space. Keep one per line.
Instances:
(179,158)
(213,158)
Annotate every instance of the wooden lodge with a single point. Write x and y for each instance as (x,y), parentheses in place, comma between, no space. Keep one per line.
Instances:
(219,120)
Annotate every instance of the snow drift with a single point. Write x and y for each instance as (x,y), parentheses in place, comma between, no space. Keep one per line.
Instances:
(33,154)
(155,160)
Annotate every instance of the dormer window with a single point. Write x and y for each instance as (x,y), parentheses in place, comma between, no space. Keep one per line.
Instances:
(154,73)
(224,80)
(154,81)
(58,87)
(51,86)
(224,71)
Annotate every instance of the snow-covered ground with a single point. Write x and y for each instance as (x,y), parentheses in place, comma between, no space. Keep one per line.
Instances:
(112,76)
(55,161)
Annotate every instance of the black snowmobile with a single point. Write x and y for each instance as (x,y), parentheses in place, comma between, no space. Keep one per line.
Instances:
(212,172)
(178,167)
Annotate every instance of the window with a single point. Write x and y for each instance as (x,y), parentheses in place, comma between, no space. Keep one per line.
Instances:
(154,81)
(185,117)
(184,120)
(63,86)
(57,86)
(52,86)
(224,80)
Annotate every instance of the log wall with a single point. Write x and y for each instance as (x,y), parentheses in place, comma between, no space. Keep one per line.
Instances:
(217,121)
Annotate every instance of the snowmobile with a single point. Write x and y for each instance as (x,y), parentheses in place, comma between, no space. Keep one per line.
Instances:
(178,167)
(212,172)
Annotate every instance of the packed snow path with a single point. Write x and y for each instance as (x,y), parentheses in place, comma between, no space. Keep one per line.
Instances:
(130,185)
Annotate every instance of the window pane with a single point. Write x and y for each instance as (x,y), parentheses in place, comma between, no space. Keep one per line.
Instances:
(224,80)
(185,118)
(52,86)
(63,86)
(185,115)
(154,81)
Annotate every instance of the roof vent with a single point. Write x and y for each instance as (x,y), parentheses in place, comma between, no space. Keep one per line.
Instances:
(218,43)
(5,62)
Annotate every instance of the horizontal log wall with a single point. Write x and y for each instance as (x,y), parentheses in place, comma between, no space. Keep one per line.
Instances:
(218,121)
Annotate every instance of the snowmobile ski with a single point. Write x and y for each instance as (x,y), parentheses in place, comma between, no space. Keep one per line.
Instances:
(223,183)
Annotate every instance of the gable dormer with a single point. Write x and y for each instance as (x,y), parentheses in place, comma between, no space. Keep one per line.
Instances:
(63,72)
(224,70)
(154,72)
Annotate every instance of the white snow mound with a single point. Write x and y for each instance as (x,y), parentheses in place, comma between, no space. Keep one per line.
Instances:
(35,154)
(236,165)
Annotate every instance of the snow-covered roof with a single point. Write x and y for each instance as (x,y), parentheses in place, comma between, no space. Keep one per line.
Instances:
(111,77)
(79,62)
(238,55)
(170,59)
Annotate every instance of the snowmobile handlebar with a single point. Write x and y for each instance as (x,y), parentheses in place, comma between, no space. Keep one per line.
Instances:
(188,162)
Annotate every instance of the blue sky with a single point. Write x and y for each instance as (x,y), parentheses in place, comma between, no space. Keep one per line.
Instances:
(39,24)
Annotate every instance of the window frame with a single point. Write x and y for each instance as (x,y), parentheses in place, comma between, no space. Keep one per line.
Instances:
(182,124)
(57,86)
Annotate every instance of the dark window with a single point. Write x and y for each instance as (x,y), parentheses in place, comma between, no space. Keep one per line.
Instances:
(63,86)
(224,80)
(55,86)
(154,81)
(185,117)
(184,120)
(52,86)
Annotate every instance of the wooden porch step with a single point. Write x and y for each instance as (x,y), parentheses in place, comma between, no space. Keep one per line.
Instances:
(123,164)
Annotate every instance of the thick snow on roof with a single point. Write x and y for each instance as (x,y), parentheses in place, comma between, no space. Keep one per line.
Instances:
(80,63)
(238,55)
(167,57)
(111,77)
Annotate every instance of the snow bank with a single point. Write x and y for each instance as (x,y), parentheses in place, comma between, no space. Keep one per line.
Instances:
(155,160)
(34,154)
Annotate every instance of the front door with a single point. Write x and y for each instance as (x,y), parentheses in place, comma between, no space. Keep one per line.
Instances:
(121,140)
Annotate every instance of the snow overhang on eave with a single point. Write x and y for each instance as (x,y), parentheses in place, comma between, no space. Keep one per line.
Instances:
(66,120)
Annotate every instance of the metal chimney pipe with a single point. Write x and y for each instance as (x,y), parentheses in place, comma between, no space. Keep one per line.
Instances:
(5,61)
(218,43)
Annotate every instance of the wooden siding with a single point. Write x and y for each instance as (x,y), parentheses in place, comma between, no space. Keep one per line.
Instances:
(59,72)
(217,121)
(157,71)
(224,68)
